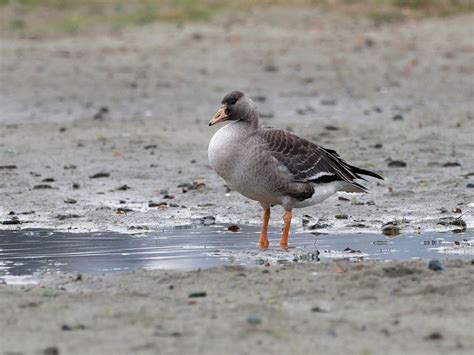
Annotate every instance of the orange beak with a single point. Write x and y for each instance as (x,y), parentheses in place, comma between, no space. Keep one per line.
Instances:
(220,116)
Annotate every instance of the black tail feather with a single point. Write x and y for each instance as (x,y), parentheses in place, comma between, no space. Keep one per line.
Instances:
(360,171)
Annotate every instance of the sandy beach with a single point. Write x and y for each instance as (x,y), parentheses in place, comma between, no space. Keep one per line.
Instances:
(108,131)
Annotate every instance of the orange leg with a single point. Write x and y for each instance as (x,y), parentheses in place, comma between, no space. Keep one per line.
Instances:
(286,230)
(263,242)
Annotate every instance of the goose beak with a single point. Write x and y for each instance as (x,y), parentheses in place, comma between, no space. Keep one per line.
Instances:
(220,116)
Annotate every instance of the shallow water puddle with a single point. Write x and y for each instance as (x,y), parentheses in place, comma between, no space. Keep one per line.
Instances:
(27,252)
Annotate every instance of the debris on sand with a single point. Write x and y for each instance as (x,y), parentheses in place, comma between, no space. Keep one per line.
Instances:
(12,221)
(459,223)
(435,265)
(101,113)
(8,167)
(396,163)
(42,187)
(233,228)
(100,175)
(391,229)
(198,294)
(254,319)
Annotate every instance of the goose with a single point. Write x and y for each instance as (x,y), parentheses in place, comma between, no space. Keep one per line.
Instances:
(275,167)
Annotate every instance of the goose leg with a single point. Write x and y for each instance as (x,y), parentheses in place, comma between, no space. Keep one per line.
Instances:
(263,242)
(286,229)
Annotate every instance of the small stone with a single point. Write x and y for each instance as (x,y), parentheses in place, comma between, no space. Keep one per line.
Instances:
(8,167)
(331,128)
(397,117)
(198,294)
(208,220)
(174,205)
(390,230)
(99,175)
(75,185)
(270,68)
(341,216)
(62,129)
(12,221)
(70,167)
(52,350)
(435,265)
(150,146)
(470,185)
(122,210)
(101,113)
(434,336)
(63,217)
(123,188)
(451,164)
(169,197)
(341,198)
(254,319)
(328,102)
(377,145)
(233,228)
(157,204)
(42,187)
(70,201)
(397,164)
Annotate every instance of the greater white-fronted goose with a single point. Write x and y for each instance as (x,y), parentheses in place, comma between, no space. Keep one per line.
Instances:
(273,166)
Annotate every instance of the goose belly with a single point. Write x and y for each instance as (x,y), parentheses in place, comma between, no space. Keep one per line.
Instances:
(321,193)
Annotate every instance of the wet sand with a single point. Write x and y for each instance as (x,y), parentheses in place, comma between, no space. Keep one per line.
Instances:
(396,307)
(398,92)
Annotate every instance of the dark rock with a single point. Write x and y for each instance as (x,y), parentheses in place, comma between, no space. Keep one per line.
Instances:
(378,109)
(397,117)
(8,167)
(168,197)
(75,185)
(451,164)
(331,128)
(101,113)
(150,146)
(254,319)
(100,175)
(12,221)
(63,217)
(157,204)
(396,164)
(451,221)
(70,167)
(70,201)
(67,327)
(369,42)
(390,230)
(48,180)
(123,210)
(270,68)
(208,220)
(357,225)
(377,145)
(328,102)
(233,228)
(42,187)
(52,350)
(198,294)
(370,203)
(123,188)
(434,336)
(318,309)
(341,216)
(11,213)
(435,265)
(341,198)
(62,129)
(470,185)
(319,226)
(174,205)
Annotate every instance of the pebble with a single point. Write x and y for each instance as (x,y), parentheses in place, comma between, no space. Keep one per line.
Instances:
(451,221)
(70,167)
(42,187)
(123,210)
(470,185)
(62,217)
(52,350)
(341,216)
(208,220)
(70,201)
(101,113)
(157,204)
(198,294)
(75,185)
(123,188)
(233,228)
(99,175)
(254,319)
(150,146)
(451,164)
(8,167)
(397,117)
(390,230)
(331,128)
(328,102)
(435,265)
(12,221)
(397,164)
